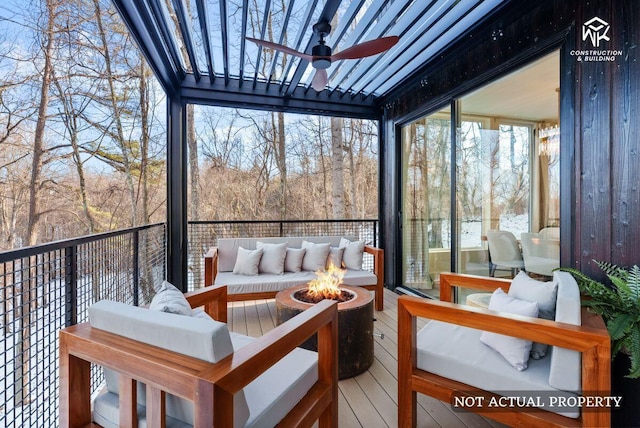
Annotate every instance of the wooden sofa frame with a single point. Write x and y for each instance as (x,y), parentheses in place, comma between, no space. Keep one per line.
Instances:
(211,271)
(210,386)
(591,339)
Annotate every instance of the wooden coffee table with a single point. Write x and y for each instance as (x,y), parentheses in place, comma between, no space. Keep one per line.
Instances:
(355,327)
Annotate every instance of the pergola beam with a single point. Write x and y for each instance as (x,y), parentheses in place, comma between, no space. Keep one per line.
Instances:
(283,32)
(204,27)
(261,98)
(304,28)
(225,39)
(138,20)
(185,29)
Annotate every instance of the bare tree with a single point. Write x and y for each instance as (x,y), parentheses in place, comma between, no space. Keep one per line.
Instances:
(337,168)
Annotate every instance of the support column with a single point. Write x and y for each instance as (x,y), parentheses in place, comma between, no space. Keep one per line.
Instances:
(176,193)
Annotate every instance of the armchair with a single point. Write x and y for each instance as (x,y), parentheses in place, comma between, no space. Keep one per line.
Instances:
(261,379)
(450,362)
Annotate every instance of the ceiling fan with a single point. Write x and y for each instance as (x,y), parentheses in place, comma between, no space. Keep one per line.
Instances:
(321,57)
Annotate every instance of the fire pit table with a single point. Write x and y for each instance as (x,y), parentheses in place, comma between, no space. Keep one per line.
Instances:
(355,327)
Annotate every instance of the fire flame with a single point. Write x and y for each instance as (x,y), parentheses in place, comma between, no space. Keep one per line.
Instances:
(328,282)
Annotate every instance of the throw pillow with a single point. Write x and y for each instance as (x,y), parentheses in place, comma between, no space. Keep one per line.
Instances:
(353,251)
(273,256)
(247,262)
(523,287)
(513,349)
(315,256)
(293,259)
(335,257)
(170,299)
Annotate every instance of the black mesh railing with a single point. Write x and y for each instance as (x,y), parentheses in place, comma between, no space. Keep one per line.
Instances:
(204,235)
(51,286)
(48,287)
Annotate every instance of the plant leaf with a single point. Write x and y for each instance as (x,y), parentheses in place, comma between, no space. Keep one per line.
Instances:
(620,324)
(634,353)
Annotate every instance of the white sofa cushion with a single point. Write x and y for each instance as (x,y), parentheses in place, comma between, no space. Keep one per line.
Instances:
(565,371)
(524,287)
(293,259)
(273,256)
(247,262)
(228,247)
(204,339)
(353,253)
(455,352)
(515,350)
(169,299)
(335,257)
(315,256)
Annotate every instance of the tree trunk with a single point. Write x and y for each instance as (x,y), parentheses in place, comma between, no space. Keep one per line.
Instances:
(337,173)
(38,141)
(23,305)
(352,169)
(282,165)
(70,119)
(113,98)
(146,278)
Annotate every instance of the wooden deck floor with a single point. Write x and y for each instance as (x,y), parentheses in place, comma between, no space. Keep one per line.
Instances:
(370,399)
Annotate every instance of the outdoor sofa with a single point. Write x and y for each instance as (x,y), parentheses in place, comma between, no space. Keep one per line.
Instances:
(276,270)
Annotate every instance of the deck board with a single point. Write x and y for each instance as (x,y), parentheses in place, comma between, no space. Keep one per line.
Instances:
(370,399)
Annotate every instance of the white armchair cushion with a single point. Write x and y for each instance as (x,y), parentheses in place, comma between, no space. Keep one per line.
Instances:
(523,287)
(247,262)
(170,299)
(273,256)
(315,256)
(293,259)
(565,370)
(513,349)
(353,252)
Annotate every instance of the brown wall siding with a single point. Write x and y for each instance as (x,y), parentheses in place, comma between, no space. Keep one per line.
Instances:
(604,204)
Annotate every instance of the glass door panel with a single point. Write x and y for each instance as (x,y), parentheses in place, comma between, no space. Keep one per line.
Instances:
(492,190)
(426,184)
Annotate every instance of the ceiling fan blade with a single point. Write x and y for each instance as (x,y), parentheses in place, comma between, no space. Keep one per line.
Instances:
(320,79)
(280,48)
(372,47)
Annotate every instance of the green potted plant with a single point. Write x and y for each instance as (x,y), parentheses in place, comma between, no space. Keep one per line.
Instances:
(619,305)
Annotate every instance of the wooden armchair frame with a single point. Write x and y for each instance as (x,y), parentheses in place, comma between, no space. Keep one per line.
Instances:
(211,271)
(211,387)
(591,339)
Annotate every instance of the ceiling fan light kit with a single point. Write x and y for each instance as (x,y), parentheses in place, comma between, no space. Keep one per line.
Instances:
(321,56)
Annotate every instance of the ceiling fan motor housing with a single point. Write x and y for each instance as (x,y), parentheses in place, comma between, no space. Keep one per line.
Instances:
(321,54)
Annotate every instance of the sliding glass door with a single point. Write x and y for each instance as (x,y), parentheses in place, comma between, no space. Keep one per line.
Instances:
(505,182)
(426,184)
